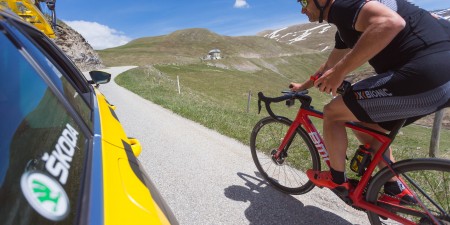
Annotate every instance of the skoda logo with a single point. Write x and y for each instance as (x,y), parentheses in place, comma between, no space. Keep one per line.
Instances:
(45,195)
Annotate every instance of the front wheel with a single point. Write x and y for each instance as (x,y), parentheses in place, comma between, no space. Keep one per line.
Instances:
(428,178)
(286,173)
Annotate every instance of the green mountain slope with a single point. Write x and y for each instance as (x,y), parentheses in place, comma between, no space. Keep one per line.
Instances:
(188,46)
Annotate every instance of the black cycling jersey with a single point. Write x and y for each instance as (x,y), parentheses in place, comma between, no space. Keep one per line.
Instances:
(422,35)
(446,24)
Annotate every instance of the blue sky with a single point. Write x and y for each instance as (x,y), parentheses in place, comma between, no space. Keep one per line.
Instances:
(111,23)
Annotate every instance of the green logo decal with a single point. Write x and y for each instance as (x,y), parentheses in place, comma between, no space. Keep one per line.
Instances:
(45,195)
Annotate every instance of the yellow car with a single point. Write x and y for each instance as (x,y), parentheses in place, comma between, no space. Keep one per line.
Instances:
(64,156)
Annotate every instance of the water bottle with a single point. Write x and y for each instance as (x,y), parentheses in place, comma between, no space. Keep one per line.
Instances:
(361,159)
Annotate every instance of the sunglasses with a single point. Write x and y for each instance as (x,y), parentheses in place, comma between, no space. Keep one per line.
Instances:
(304,3)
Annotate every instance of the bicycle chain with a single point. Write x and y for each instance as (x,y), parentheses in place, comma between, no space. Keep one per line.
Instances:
(402,201)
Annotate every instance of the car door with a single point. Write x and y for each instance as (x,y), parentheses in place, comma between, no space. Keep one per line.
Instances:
(44,139)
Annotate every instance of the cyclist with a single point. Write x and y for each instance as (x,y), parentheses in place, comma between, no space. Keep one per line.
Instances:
(410,52)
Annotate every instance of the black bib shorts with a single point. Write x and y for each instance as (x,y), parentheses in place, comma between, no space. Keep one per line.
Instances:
(419,88)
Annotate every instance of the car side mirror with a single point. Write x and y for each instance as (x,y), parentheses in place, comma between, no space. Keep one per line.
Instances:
(99,77)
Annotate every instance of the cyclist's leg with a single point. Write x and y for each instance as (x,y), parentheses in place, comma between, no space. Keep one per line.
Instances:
(336,114)
(374,143)
(386,97)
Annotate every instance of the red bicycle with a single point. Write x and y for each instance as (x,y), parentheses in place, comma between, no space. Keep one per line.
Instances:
(283,150)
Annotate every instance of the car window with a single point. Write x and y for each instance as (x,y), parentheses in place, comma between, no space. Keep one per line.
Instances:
(42,147)
(55,73)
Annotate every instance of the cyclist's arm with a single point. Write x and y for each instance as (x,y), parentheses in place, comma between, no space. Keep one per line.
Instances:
(335,56)
(379,26)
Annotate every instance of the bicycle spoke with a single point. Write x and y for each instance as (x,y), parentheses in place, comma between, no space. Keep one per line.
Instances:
(286,172)
(429,180)
(433,190)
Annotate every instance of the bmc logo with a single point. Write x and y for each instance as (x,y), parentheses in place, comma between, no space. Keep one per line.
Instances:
(315,137)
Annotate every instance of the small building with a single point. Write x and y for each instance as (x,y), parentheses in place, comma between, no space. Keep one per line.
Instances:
(214,54)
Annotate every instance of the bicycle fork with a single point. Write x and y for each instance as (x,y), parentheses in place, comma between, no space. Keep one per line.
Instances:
(281,153)
(302,119)
(313,133)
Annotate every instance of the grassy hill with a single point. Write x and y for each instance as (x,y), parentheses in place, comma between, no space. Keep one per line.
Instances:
(188,46)
(215,93)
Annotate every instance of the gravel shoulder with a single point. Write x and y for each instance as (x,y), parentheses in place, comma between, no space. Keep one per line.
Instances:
(208,178)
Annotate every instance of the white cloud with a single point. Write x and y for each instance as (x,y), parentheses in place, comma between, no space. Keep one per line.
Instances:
(241,4)
(99,36)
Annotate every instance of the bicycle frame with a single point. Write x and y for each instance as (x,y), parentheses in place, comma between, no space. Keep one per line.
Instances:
(356,196)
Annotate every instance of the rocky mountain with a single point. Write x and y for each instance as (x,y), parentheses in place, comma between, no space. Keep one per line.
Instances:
(443,13)
(310,35)
(315,35)
(77,48)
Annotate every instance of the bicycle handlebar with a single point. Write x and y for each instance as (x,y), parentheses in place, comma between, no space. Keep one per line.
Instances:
(303,96)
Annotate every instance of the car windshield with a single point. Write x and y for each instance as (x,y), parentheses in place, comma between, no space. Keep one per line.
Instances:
(56,75)
(42,147)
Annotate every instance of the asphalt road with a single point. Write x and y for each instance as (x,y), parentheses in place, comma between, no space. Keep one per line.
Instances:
(207,178)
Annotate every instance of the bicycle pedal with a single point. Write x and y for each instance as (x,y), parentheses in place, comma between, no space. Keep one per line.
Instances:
(353,182)
(340,191)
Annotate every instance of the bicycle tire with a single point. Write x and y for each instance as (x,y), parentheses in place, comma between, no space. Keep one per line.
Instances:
(289,175)
(431,175)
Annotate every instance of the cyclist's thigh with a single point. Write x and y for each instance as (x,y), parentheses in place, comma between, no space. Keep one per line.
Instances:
(418,88)
(338,110)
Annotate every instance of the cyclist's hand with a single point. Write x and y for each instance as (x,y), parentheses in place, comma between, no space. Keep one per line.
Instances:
(301,86)
(296,87)
(329,82)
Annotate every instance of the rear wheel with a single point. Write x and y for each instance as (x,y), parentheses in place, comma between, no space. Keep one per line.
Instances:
(429,179)
(287,173)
